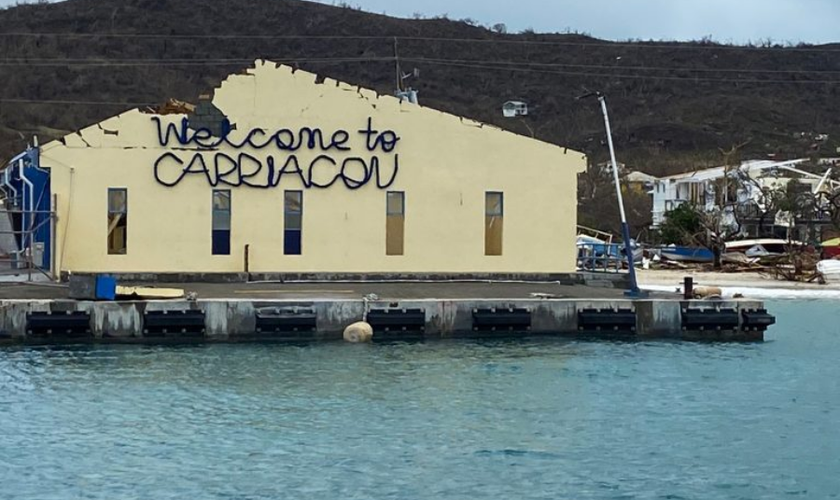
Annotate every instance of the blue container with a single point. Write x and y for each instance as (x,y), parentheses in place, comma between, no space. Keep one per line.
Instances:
(106,288)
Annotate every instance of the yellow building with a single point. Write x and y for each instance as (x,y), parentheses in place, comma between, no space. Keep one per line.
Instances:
(284,173)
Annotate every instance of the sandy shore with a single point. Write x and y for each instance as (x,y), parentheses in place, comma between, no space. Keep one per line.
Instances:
(751,285)
(675,277)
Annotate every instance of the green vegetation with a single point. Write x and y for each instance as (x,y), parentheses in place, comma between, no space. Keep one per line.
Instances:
(681,225)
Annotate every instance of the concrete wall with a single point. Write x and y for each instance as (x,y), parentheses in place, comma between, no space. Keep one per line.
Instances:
(232,320)
(446,164)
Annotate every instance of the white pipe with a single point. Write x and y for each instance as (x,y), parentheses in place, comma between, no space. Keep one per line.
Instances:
(822,181)
(24,202)
(8,171)
(807,174)
(8,184)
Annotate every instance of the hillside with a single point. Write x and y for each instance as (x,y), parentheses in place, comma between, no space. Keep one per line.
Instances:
(673,105)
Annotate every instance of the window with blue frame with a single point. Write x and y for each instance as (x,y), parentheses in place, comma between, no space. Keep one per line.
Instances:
(221,221)
(292,222)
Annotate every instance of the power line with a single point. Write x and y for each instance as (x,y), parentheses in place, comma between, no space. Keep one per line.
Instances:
(471,64)
(496,40)
(630,68)
(75,102)
(164,36)
(621,76)
(100,62)
(631,45)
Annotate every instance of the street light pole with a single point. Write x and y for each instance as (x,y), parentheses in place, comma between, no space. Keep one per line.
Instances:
(634,290)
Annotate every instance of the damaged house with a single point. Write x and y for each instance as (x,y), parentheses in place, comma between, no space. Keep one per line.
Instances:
(278,171)
(747,195)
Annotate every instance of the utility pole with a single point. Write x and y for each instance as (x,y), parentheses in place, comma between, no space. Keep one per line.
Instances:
(397,62)
(634,290)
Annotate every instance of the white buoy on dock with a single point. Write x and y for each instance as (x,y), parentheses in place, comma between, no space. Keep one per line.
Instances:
(358,333)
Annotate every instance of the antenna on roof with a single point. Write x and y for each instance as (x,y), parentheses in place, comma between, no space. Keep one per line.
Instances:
(404,93)
(415,73)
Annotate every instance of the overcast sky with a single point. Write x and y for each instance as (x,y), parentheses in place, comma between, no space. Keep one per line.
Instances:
(738,21)
(814,21)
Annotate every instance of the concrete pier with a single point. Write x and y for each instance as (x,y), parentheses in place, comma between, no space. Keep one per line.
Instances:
(48,321)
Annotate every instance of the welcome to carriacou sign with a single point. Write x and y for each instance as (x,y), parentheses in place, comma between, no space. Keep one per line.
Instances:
(267,159)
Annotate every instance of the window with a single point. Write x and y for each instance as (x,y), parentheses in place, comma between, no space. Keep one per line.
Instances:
(493,222)
(293,222)
(221,222)
(697,193)
(395,223)
(117,221)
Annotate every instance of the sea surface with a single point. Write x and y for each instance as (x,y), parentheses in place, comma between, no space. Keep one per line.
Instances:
(541,419)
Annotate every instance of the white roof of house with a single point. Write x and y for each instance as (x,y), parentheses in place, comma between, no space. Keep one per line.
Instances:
(640,177)
(718,172)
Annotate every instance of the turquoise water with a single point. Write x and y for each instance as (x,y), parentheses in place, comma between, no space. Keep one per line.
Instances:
(445,420)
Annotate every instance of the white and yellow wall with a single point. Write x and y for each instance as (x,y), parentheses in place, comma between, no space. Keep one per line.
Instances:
(446,165)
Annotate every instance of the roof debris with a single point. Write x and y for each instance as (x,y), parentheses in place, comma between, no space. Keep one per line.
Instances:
(171,107)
